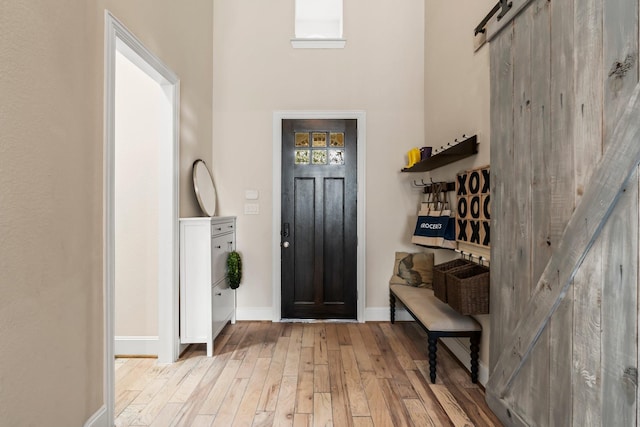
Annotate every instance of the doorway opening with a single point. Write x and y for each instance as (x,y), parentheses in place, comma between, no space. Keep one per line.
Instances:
(142,126)
(140,199)
(277,227)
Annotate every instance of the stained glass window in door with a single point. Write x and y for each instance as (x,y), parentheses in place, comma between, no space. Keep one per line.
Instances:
(336,139)
(319,139)
(302,157)
(319,157)
(336,157)
(302,139)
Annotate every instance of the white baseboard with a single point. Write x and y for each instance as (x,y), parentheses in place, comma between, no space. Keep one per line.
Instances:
(99,419)
(138,346)
(254,313)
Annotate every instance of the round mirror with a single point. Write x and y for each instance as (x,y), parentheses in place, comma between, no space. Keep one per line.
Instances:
(203,185)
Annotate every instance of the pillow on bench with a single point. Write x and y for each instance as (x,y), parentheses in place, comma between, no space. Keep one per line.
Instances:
(413,269)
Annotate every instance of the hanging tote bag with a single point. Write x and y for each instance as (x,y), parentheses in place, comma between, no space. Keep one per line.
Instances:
(449,241)
(435,226)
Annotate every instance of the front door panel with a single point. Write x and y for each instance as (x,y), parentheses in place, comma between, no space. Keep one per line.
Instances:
(319,220)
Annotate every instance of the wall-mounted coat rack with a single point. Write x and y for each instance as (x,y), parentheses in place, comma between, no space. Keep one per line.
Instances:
(473,257)
(432,187)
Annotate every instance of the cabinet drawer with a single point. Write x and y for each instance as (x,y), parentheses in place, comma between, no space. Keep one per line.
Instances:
(222,306)
(222,227)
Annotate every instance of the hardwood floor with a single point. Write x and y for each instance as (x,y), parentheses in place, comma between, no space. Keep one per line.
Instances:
(302,374)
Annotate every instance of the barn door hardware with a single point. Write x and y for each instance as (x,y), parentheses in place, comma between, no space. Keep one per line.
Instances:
(503,6)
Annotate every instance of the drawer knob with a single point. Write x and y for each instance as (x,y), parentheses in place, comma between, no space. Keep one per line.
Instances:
(219,294)
(218,247)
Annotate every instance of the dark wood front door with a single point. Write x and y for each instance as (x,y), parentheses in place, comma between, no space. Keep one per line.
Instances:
(319,219)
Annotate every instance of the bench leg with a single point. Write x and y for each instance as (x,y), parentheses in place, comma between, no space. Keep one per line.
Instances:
(392,306)
(433,347)
(475,349)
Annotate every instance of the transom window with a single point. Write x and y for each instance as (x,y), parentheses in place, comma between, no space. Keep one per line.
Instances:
(318,23)
(318,19)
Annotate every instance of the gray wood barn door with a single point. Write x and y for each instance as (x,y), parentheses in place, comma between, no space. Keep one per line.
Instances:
(565,125)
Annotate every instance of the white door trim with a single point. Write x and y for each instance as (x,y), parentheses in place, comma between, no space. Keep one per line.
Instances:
(118,37)
(278,116)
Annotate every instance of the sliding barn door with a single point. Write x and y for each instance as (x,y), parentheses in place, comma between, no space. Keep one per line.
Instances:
(565,125)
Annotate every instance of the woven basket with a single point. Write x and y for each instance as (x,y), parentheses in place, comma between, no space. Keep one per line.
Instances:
(468,290)
(440,274)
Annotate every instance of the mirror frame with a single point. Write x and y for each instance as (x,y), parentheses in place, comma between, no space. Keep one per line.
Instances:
(199,186)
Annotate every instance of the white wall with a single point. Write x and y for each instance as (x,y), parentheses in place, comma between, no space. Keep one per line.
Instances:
(457,94)
(142,122)
(257,72)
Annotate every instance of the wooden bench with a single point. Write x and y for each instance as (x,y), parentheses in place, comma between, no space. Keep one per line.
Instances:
(439,320)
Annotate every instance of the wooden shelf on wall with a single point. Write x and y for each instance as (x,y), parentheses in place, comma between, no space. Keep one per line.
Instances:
(459,151)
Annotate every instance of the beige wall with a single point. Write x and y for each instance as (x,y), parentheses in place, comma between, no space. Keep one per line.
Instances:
(51,62)
(457,94)
(51,357)
(257,72)
(456,79)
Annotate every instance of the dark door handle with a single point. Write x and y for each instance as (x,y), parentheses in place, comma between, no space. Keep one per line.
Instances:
(285,230)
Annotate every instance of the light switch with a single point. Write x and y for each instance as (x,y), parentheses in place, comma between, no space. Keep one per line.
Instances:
(251,209)
(251,194)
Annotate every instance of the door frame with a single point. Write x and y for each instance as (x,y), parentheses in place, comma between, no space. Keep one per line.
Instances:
(276,279)
(119,38)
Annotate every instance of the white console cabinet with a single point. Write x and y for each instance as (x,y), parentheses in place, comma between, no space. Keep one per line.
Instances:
(206,301)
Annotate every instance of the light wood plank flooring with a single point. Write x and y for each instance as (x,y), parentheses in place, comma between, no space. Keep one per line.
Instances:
(302,374)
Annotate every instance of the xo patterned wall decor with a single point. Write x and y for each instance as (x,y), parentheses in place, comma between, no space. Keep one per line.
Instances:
(473,213)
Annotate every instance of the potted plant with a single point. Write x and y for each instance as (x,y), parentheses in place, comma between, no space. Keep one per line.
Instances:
(234,269)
